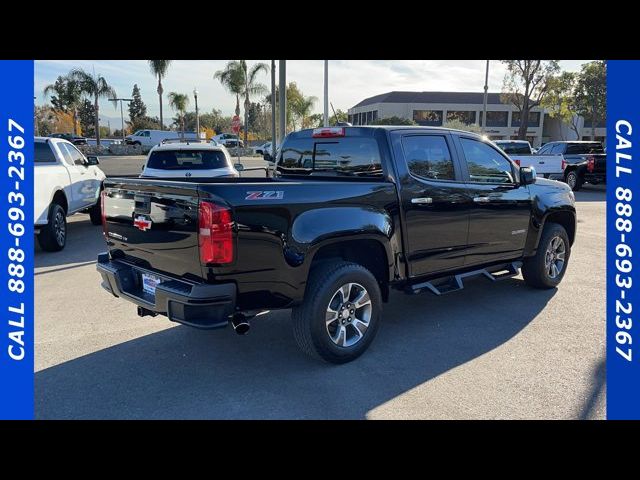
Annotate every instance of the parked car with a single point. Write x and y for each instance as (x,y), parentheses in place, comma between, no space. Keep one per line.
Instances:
(229,140)
(521,152)
(262,149)
(75,139)
(149,138)
(66,182)
(582,161)
(266,152)
(352,213)
(197,160)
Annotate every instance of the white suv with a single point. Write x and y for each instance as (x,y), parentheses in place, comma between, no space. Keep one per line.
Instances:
(185,159)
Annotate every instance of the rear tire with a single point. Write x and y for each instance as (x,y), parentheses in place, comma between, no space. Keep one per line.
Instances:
(574,180)
(554,249)
(53,236)
(340,314)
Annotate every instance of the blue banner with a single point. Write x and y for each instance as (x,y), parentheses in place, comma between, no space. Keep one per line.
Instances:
(16,240)
(623,248)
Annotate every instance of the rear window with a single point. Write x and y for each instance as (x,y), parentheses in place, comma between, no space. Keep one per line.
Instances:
(514,148)
(187,160)
(355,156)
(43,154)
(584,148)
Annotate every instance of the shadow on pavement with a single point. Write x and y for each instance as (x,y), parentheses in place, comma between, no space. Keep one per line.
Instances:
(84,242)
(186,373)
(592,193)
(597,392)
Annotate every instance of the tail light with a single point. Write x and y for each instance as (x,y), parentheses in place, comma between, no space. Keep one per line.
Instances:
(215,240)
(329,132)
(564,164)
(103,214)
(591,164)
(517,162)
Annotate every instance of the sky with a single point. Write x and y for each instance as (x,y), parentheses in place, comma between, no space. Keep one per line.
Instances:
(350,81)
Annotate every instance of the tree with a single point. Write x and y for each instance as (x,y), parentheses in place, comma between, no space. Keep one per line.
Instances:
(525,86)
(460,125)
(591,93)
(240,79)
(302,107)
(559,102)
(95,86)
(144,123)
(393,121)
(159,68)
(340,116)
(87,117)
(137,108)
(45,120)
(178,102)
(67,97)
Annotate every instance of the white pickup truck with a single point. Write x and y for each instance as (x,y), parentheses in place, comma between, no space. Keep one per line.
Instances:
(66,182)
(520,151)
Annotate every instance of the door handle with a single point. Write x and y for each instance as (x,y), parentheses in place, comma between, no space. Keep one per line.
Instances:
(541,163)
(481,199)
(422,200)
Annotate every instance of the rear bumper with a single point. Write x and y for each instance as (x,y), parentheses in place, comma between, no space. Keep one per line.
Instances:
(197,305)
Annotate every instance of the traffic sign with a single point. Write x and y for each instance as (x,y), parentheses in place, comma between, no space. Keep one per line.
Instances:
(235,124)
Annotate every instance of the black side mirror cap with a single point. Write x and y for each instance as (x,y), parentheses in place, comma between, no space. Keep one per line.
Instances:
(93,160)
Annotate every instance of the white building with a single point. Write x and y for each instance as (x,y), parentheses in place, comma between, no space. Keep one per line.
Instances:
(436,108)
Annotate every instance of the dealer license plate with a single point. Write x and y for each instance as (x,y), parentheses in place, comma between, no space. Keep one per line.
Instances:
(149,283)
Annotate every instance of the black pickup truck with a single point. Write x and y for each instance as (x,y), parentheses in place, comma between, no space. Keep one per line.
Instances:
(348,214)
(582,161)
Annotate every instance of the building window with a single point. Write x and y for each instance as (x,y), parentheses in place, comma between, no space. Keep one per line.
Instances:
(375,115)
(534,119)
(495,119)
(427,117)
(350,119)
(600,123)
(369,117)
(465,117)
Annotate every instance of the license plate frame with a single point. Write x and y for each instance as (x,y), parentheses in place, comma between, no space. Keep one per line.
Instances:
(150,283)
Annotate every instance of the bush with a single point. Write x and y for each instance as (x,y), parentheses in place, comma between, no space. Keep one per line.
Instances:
(393,121)
(458,125)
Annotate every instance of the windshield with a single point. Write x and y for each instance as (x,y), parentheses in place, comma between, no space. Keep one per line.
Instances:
(514,147)
(187,160)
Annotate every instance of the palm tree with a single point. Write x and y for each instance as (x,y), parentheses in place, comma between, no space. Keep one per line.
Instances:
(303,108)
(178,102)
(240,79)
(159,68)
(69,94)
(94,86)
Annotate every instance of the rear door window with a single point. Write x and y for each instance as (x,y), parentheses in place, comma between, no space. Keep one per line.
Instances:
(515,148)
(354,156)
(43,153)
(428,156)
(187,160)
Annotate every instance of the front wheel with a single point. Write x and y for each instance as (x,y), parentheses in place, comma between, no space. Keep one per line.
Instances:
(340,314)
(547,267)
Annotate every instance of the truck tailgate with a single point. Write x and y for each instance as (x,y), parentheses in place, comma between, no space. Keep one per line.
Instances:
(544,164)
(155,224)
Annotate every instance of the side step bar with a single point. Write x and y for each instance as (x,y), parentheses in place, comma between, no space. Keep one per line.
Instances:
(454,283)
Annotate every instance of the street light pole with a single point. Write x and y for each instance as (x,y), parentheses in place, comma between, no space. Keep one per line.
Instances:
(121,111)
(282,94)
(326,93)
(274,139)
(484,102)
(35,119)
(195,96)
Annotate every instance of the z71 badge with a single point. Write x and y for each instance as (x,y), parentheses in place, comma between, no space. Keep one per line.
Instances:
(265,195)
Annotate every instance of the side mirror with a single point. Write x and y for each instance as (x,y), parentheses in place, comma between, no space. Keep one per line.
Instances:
(527,175)
(238,166)
(92,160)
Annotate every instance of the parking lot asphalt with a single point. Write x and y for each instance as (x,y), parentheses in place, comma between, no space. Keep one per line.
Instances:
(492,351)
